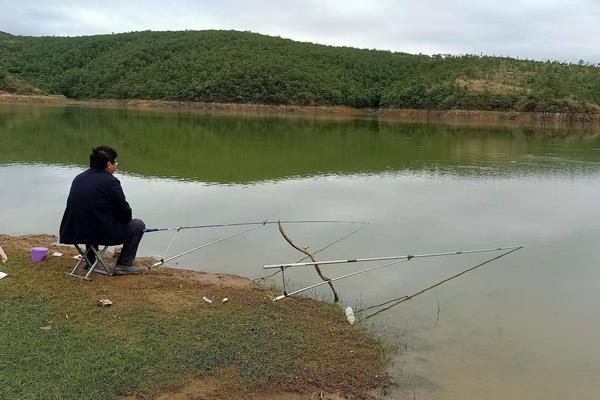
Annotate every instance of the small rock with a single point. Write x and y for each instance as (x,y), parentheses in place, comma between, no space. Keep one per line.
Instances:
(225,300)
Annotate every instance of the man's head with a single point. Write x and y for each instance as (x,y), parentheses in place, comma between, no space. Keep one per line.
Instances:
(104,157)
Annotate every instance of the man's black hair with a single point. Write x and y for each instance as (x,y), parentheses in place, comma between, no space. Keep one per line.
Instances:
(101,155)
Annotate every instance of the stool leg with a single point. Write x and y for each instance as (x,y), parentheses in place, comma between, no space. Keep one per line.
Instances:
(83,259)
(98,265)
(108,270)
(99,262)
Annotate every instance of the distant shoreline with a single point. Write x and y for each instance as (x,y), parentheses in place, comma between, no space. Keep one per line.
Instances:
(457,117)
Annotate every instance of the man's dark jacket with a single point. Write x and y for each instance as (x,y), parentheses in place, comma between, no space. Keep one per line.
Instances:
(97,212)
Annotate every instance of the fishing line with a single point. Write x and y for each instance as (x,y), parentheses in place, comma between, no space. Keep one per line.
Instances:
(364,225)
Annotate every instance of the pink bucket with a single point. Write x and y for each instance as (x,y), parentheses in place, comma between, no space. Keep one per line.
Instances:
(39,254)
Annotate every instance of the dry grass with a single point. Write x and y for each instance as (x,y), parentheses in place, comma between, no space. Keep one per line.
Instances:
(489,86)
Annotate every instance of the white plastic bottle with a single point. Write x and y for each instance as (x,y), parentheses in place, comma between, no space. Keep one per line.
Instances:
(350,315)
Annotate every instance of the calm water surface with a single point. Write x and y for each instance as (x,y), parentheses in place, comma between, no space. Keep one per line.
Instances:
(525,326)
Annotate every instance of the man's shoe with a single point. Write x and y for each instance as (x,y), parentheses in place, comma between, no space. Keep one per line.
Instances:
(128,270)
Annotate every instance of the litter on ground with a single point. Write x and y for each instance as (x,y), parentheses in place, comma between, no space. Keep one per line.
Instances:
(3,256)
(104,302)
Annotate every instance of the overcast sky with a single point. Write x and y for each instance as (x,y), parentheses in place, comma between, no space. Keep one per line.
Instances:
(567,30)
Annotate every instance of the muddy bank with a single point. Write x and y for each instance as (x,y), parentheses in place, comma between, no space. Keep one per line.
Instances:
(34,99)
(458,117)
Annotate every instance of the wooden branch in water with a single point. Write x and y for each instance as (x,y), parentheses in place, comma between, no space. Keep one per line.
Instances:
(304,251)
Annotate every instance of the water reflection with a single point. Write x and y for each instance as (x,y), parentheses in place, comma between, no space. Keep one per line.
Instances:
(245,150)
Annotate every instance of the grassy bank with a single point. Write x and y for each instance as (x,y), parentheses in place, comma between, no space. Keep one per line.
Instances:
(159,338)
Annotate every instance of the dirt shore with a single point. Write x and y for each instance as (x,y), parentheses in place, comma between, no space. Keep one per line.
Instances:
(460,117)
(33,99)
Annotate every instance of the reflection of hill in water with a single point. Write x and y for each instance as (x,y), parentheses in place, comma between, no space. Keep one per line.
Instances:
(241,150)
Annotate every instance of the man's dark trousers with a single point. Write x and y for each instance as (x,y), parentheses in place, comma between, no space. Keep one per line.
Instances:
(135,231)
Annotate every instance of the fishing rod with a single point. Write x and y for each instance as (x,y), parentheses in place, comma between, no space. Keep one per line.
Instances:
(510,250)
(178,228)
(406,257)
(402,299)
(286,294)
(253,225)
(163,260)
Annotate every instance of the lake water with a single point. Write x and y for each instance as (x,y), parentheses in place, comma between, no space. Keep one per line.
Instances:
(524,326)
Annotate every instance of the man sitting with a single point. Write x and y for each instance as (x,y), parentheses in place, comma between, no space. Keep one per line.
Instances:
(98,214)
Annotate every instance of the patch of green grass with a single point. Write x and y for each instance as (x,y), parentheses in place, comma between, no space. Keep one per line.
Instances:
(74,360)
(55,343)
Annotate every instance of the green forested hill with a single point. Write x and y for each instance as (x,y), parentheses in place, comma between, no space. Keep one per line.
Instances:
(244,67)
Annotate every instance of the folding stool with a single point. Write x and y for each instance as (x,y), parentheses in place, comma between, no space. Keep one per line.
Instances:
(97,266)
